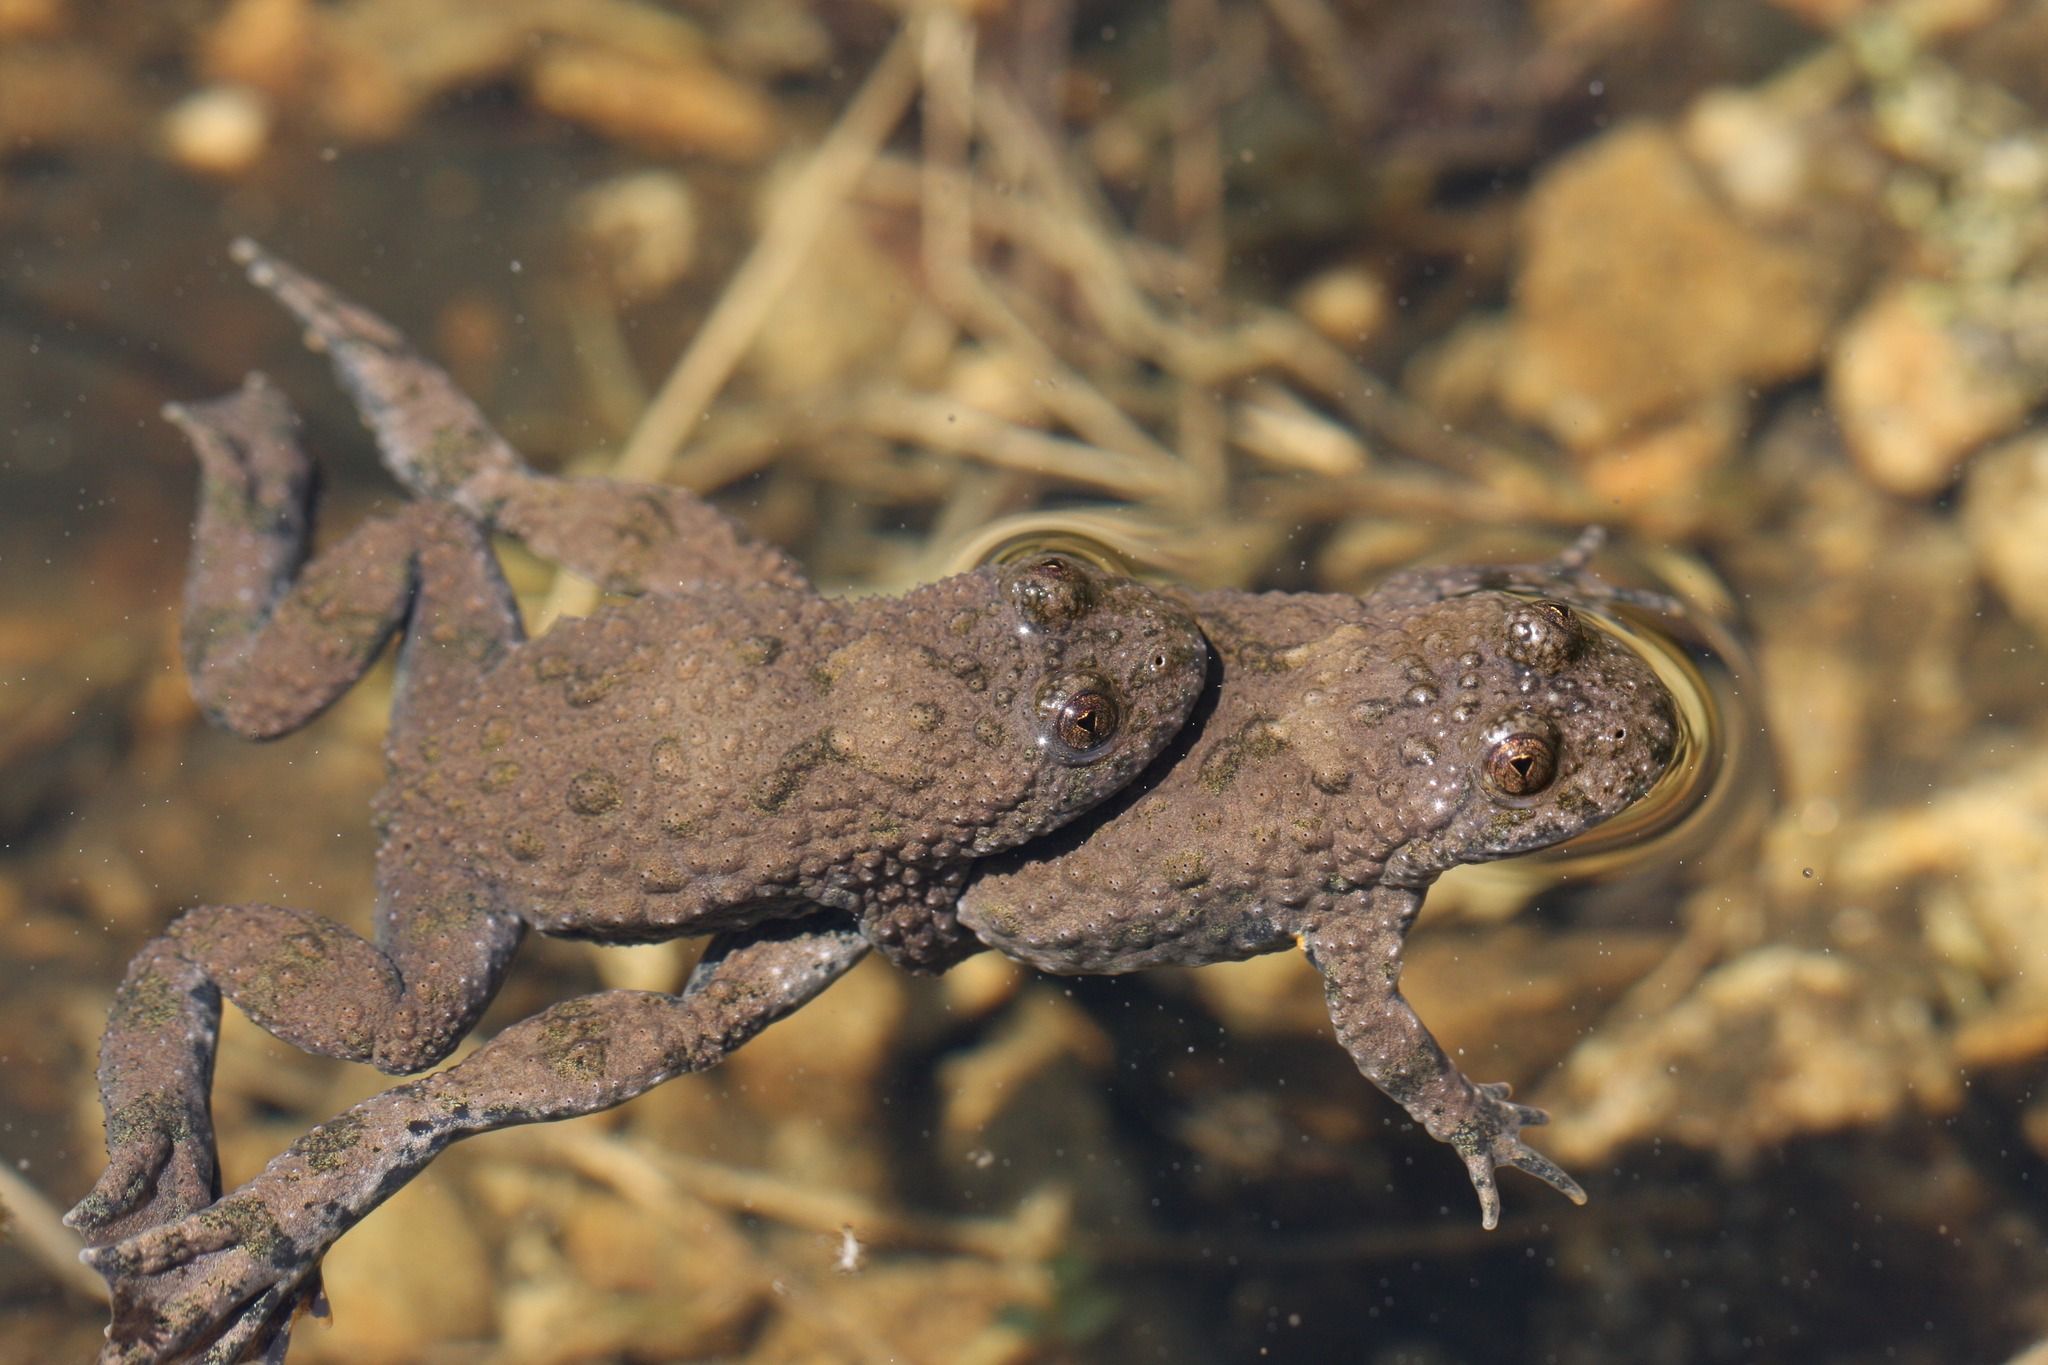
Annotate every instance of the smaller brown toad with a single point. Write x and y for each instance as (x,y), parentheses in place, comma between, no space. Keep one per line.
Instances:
(1351,752)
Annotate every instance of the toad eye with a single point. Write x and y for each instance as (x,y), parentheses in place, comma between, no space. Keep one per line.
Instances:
(1544,634)
(1521,764)
(1082,716)
(1054,590)
(1087,720)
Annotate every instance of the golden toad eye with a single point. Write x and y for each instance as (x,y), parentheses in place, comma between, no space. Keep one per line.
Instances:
(1086,721)
(1521,764)
(1079,715)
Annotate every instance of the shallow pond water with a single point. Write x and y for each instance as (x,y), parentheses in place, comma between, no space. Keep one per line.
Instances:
(1281,296)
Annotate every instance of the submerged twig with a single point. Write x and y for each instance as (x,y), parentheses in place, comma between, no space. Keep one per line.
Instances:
(793,228)
(33,1224)
(648,1174)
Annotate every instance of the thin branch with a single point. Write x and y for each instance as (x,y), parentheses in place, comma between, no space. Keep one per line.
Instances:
(799,216)
(33,1224)
(945,425)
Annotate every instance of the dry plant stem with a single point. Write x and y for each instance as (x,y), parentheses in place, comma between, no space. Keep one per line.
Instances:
(1706,941)
(1412,494)
(737,441)
(637,1176)
(32,1223)
(1197,143)
(1070,229)
(1103,269)
(1203,424)
(1069,395)
(958,285)
(650,1176)
(1072,397)
(1113,271)
(1078,247)
(1046,230)
(1199,420)
(947,227)
(978,497)
(609,375)
(1037,55)
(643,1173)
(1317,37)
(785,245)
(1287,343)
(944,425)
(1106,281)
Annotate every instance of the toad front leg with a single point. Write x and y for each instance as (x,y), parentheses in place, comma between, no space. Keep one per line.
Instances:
(1357,948)
(222,1280)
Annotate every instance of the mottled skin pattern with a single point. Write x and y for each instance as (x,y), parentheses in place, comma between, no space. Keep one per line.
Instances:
(809,780)
(727,753)
(1351,753)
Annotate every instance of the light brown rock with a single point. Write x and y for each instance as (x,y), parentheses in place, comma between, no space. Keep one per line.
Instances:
(1641,295)
(221,130)
(673,108)
(1348,304)
(1659,476)
(263,44)
(1972,862)
(1916,387)
(32,18)
(394,1309)
(2005,515)
(641,229)
(1821,1048)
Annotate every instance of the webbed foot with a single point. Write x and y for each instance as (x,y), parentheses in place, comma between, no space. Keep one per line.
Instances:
(432,437)
(1490,1138)
(246,447)
(220,1285)
(160,1167)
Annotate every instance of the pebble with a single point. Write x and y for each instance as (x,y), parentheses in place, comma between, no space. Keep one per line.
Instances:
(674,108)
(1816,1058)
(2005,518)
(1916,388)
(643,227)
(1348,304)
(219,131)
(1641,294)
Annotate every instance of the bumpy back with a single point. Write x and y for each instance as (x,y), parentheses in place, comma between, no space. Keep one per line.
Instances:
(1017,696)
(700,762)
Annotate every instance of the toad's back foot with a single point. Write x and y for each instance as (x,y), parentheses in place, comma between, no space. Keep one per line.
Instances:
(434,440)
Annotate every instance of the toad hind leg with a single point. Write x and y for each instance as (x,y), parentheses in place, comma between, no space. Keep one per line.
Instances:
(219,1277)
(1357,948)
(269,641)
(627,538)
(442,947)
